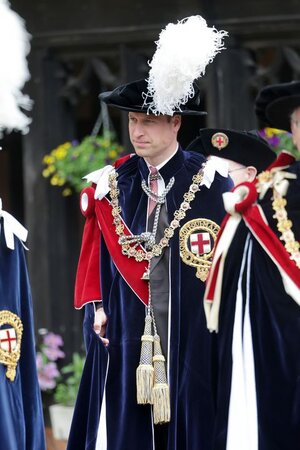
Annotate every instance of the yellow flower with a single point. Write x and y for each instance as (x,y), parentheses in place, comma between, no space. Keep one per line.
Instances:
(54,180)
(51,169)
(60,181)
(66,192)
(48,159)
(60,152)
(112,154)
(271,131)
(45,173)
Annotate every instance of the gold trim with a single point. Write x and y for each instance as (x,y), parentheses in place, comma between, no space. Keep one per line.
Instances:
(203,262)
(157,249)
(10,359)
(284,224)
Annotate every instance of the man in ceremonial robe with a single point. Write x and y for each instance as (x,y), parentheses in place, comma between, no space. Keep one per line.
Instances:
(151,222)
(107,401)
(253,296)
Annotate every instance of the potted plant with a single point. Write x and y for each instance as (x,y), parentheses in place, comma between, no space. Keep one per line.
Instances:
(66,164)
(61,412)
(59,384)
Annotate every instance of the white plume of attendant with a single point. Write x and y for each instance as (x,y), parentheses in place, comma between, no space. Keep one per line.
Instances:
(14,47)
(183,52)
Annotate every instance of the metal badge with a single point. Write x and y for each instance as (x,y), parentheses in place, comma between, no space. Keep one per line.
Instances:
(196,240)
(11,330)
(219,140)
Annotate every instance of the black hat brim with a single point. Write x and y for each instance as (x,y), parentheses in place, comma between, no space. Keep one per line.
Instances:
(275,104)
(244,147)
(130,97)
(278,113)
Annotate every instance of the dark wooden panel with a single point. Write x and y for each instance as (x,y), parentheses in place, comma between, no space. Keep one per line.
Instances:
(44,16)
(52,220)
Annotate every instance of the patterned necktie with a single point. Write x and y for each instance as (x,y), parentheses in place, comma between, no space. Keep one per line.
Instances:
(154,188)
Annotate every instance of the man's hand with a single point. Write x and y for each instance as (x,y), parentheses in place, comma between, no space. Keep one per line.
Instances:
(100,322)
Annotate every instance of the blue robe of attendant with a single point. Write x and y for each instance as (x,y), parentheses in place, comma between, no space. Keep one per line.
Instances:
(21,413)
(129,425)
(275,324)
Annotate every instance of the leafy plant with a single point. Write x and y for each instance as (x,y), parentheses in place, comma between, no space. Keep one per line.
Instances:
(61,383)
(279,140)
(70,161)
(68,383)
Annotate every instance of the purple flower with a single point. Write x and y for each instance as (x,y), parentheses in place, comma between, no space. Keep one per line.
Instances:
(45,383)
(53,353)
(53,340)
(274,140)
(47,374)
(39,361)
(49,352)
(262,133)
(50,369)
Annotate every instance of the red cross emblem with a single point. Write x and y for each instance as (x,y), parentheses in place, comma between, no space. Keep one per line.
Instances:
(200,243)
(219,140)
(8,339)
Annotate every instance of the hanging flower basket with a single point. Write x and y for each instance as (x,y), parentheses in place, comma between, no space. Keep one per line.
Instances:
(69,162)
(279,140)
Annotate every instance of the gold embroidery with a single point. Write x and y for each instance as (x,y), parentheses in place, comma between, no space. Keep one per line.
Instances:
(284,226)
(11,358)
(278,181)
(201,259)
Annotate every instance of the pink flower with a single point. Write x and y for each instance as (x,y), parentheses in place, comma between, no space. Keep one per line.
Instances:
(48,352)
(47,374)
(53,353)
(53,340)
(39,361)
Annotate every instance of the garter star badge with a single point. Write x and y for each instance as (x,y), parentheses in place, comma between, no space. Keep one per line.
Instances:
(196,241)
(219,140)
(11,329)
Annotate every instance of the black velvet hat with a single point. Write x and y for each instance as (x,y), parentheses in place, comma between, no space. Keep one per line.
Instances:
(244,147)
(275,104)
(131,97)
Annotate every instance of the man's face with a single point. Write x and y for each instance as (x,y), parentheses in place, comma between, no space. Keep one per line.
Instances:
(153,137)
(295,127)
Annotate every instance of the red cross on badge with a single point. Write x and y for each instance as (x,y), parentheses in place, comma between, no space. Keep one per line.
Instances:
(200,243)
(219,140)
(8,339)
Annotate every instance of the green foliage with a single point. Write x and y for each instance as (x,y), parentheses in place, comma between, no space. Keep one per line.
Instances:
(69,162)
(68,383)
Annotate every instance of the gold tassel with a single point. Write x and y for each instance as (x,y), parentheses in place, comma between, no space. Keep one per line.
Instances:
(145,370)
(161,390)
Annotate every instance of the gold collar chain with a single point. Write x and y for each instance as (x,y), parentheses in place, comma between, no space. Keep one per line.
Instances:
(284,224)
(179,214)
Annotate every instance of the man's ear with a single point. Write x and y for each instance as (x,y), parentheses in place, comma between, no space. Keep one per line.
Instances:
(251,173)
(177,122)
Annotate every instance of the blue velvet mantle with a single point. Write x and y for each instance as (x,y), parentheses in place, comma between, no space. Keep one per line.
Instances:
(129,426)
(21,424)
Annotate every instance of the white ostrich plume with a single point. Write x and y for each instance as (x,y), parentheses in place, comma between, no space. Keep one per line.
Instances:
(183,52)
(14,47)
